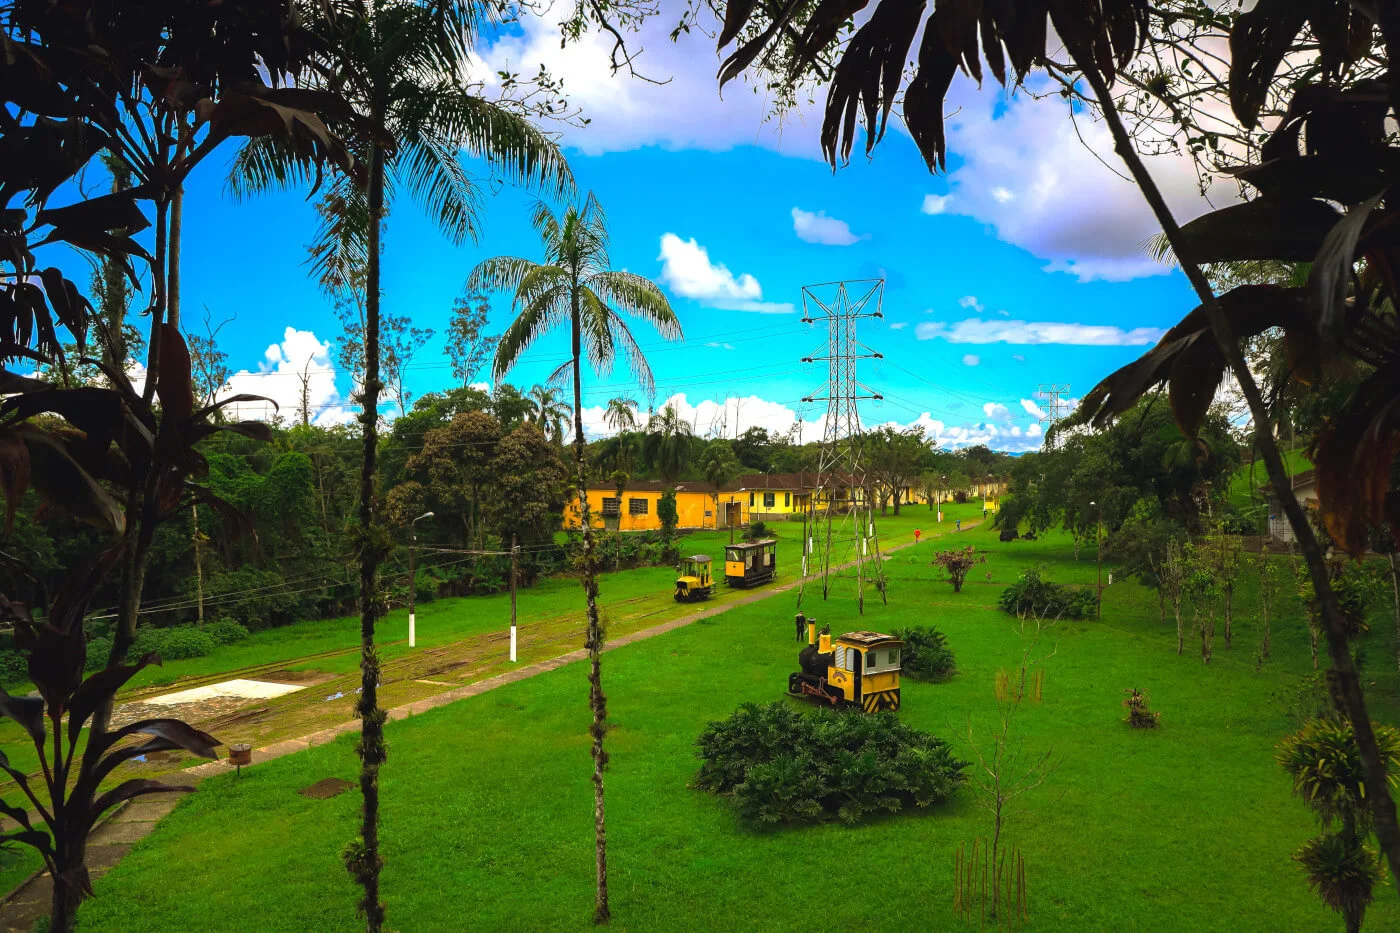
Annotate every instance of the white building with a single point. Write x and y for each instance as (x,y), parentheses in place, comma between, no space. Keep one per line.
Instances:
(1303,487)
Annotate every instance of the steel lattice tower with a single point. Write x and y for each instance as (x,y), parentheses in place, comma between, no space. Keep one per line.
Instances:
(1055,406)
(838,535)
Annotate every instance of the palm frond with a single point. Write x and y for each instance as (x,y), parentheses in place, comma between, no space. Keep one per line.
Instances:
(500,274)
(508,142)
(267,163)
(341,246)
(639,296)
(547,226)
(595,334)
(534,321)
(434,175)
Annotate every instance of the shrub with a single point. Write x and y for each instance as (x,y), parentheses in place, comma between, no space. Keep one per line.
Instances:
(1033,595)
(1307,699)
(225,631)
(1139,715)
(958,562)
(173,644)
(783,766)
(926,653)
(98,650)
(756,531)
(14,669)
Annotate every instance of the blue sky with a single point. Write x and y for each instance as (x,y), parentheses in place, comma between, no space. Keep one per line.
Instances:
(1023,265)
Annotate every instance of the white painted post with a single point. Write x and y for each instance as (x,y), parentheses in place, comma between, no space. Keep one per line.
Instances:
(412,632)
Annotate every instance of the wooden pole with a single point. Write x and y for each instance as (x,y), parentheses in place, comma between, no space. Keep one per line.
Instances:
(514,567)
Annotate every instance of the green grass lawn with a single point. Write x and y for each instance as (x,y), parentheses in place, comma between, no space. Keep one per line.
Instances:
(488,806)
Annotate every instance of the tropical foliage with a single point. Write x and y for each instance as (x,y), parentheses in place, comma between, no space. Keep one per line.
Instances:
(783,766)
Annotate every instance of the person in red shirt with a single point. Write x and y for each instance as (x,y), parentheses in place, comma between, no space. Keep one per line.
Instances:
(917,532)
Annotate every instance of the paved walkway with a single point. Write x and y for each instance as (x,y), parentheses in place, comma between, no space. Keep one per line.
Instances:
(114,838)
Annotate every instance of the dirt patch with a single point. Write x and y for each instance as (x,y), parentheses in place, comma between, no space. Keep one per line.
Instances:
(295,677)
(326,788)
(190,712)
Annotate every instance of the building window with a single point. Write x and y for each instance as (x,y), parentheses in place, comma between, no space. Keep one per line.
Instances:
(638,506)
(768,499)
(612,507)
(787,500)
(750,500)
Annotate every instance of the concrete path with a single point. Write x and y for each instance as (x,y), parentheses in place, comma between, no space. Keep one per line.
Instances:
(114,838)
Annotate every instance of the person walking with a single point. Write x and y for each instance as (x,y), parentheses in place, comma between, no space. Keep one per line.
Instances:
(917,533)
(959,528)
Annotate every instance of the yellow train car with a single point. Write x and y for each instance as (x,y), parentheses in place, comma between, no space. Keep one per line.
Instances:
(694,582)
(856,669)
(750,563)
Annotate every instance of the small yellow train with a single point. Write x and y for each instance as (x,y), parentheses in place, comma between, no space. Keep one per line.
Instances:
(856,669)
(750,563)
(694,582)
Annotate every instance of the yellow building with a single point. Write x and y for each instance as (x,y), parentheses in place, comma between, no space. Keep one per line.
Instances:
(769,496)
(637,509)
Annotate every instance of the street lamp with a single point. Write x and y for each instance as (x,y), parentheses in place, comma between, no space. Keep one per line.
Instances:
(1098,558)
(412,577)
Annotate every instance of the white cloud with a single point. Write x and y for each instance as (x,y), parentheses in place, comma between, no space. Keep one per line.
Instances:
(279,378)
(687,269)
(996,411)
(625,113)
(821,229)
(970,359)
(899,325)
(720,346)
(1032,409)
(936,203)
(978,330)
(1024,171)
(970,301)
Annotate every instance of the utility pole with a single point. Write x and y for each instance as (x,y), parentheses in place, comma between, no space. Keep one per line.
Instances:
(841,305)
(1056,398)
(514,570)
(198,567)
(413,577)
(1098,557)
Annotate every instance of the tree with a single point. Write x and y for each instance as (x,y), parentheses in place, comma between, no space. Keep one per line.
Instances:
(893,458)
(1201,587)
(550,413)
(794,48)
(958,562)
(468,344)
(1172,573)
(621,414)
(399,63)
(454,467)
(1324,763)
(399,340)
(667,445)
(529,488)
(574,284)
(719,466)
(667,514)
(754,448)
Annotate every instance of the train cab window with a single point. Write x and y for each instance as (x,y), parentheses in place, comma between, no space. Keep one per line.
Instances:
(894,658)
(841,657)
(871,660)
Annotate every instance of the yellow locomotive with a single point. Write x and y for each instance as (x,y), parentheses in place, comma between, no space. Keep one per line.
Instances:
(750,563)
(694,582)
(856,669)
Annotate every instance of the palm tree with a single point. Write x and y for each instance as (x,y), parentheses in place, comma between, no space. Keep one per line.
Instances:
(574,285)
(550,412)
(666,447)
(621,414)
(719,466)
(398,63)
(620,451)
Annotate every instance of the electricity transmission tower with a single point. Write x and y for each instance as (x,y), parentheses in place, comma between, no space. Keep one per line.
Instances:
(1056,398)
(842,532)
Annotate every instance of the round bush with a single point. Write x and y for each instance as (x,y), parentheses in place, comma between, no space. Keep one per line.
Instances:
(14,669)
(174,644)
(926,655)
(783,766)
(98,650)
(225,631)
